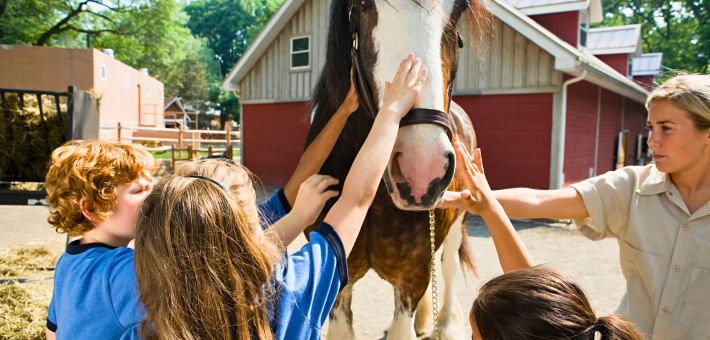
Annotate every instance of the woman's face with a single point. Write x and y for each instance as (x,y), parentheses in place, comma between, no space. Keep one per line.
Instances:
(674,141)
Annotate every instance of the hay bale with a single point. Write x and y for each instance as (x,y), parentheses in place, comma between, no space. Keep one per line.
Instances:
(24,156)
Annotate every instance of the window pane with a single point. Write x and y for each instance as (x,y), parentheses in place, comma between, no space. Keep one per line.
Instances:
(299,59)
(300,44)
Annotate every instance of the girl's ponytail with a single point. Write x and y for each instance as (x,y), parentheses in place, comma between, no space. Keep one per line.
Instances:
(613,327)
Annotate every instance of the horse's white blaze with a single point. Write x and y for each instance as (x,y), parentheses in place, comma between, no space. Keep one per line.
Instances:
(405,27)
(450,322)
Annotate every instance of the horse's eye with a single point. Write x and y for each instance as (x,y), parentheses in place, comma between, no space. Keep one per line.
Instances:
(364,4)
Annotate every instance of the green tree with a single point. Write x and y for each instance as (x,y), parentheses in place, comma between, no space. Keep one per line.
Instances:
(679,29)
(229,25)
(23,21)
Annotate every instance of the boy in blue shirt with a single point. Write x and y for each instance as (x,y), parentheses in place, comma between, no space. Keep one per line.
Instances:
(95,189)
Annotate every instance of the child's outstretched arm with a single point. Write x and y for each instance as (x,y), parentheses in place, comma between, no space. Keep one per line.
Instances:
(360,186)
(315,155)
(479,199)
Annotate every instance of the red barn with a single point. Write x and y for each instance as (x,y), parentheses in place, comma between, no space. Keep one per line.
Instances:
(547,112)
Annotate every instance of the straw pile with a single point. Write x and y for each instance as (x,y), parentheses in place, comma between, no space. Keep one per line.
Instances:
(23,156)
(23,306)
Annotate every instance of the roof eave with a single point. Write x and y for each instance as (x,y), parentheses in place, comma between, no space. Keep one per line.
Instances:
(556,8)
(262,41)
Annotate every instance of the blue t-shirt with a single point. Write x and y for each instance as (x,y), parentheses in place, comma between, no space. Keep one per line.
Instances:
(308,283)
(95,293)
(95,286)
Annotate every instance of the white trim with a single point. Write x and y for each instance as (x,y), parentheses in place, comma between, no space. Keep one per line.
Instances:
(149,91)
(271,101)
(291,52)
(621,50)
(267,35)
(519,90)
(126,81)
(559,129)
(556,8)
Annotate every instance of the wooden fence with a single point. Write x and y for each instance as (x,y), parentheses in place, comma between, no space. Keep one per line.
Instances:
(177,148)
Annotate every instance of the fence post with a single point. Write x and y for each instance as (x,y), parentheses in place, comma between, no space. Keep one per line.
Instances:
(180,138)
(189,152)
(229,152)
(172,148)
(209,150)
(119,131)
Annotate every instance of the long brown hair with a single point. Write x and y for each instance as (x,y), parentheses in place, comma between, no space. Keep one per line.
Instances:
(203,269)
(542,303)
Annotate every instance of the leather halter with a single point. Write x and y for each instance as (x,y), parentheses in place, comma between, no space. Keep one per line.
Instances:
(364,94)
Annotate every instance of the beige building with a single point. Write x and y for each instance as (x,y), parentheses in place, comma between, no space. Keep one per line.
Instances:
(127,95)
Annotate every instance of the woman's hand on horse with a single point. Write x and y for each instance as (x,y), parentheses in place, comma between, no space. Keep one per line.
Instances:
(477,195)
(406,87)
(311,197)
(351,102)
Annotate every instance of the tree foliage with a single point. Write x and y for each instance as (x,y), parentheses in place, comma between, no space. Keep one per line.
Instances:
(679,29)
(229,25)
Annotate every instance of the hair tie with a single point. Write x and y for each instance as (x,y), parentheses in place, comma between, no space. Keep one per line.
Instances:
(211,180)
(597,334)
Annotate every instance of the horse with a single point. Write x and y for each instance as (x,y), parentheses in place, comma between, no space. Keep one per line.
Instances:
(373,36)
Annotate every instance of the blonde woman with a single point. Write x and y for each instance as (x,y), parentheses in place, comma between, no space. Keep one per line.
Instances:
(659,214)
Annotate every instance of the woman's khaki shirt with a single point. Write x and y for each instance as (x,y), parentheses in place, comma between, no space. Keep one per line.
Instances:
(665,251)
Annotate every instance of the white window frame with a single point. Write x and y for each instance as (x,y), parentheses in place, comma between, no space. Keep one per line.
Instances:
(103,72)
(290,54)
(127,81)
(149,92)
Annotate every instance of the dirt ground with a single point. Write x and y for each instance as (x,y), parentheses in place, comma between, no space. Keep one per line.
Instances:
(594,264)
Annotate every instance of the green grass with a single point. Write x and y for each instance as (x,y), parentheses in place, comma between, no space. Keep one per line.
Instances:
(169,155)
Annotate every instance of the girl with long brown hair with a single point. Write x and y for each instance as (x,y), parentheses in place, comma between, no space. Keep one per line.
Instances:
(527,302)
(207,270)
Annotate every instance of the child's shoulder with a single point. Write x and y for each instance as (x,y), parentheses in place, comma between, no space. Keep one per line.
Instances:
(97,258)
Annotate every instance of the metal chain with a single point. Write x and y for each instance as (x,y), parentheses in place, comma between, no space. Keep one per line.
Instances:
(434,297)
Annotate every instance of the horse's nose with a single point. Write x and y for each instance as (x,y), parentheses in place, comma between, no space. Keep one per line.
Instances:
(421,178)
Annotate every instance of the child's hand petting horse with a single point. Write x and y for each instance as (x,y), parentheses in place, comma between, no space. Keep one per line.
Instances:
(404,90)
(477,196)
(311,198)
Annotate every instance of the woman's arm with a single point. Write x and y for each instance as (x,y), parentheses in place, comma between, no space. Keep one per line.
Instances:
(50,335)
(316,153)
(479,199)
(360,186)
(559,204)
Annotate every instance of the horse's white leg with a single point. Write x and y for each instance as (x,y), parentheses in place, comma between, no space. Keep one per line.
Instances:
(450,320)
(340,324)
(402,327)
(424,316)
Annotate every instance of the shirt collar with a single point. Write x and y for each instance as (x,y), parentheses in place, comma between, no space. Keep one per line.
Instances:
(74,248)
(657,182)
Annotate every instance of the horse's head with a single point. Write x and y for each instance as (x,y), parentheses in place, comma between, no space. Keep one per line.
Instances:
(423,160)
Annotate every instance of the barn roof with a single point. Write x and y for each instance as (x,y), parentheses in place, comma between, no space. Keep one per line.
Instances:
(534,7)
(567,58)
(650,64)
(615,40)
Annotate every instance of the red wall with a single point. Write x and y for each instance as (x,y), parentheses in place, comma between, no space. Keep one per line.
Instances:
(514,134)
(619,62)
(274,136)
(635,121)
(580,131)
(564,24)
(580,134)
(645,82)
(610,126)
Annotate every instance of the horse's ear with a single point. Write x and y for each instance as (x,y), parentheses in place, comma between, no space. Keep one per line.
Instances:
(480,23)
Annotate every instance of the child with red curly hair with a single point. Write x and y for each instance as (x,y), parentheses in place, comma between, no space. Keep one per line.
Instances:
(94,190)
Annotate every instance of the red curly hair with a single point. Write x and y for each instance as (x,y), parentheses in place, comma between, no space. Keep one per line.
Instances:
(90,169)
